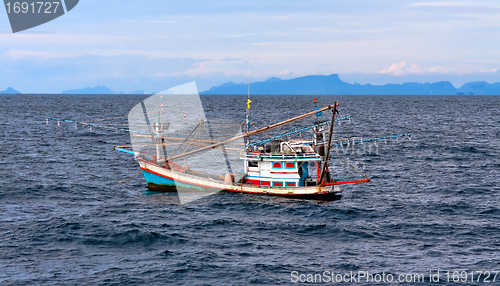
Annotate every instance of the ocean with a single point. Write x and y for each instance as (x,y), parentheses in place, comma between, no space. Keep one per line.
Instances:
(432,205)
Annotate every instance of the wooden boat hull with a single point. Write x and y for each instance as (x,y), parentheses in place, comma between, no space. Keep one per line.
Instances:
(162,179)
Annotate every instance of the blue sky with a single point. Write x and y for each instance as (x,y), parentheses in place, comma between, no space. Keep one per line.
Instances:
(154,45)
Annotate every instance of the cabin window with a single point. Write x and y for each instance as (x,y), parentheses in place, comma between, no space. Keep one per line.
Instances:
(277,165)
(265,183)
(267,148)
(285,148)
(278,184)
(253,164)
(290,165)
(291,184)
(307,149)
(312,169)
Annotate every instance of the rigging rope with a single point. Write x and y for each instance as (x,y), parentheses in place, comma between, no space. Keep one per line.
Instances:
(130,177)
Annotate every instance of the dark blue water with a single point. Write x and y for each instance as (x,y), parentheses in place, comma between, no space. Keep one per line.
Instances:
(433,203)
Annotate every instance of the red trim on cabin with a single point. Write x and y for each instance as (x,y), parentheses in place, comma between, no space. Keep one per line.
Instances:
(290,165)
(291,184)
(317,169)
(253,182)
(277,165)
(265,183)
(278,184)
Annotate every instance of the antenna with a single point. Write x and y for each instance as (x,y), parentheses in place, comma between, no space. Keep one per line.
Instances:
(248,72)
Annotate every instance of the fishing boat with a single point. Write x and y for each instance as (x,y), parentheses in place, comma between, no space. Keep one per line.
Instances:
(178,149)
(279,167)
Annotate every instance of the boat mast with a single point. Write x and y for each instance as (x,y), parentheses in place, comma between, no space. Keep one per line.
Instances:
(158,138)
(248,98)
(327,155)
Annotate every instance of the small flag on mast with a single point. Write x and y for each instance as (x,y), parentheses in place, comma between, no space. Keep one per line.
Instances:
(248,103)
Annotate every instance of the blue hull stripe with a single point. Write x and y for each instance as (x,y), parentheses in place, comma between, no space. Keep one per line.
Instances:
(158,180)
(166,182)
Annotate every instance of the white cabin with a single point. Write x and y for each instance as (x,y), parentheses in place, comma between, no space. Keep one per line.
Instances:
(289,164)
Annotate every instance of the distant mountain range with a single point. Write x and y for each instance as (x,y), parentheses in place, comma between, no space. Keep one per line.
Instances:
(332,84)
(10,90)
(322,84)
(99,90)
(90,90)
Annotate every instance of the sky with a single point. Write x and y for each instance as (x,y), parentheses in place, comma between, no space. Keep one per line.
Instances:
(151,45)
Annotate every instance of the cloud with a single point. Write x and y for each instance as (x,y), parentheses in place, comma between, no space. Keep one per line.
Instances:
(226,66)
(448,71)
(441,70)
(229,59)
(402,68)
(263,34)
(489,71)
(285,72)
(201,69)
(21,54)
(357,29)
(477,4)
(148,21)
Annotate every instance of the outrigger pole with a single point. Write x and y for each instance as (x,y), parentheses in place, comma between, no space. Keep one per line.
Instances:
(321,180)
(99,126)
(263,129)
(296,131)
